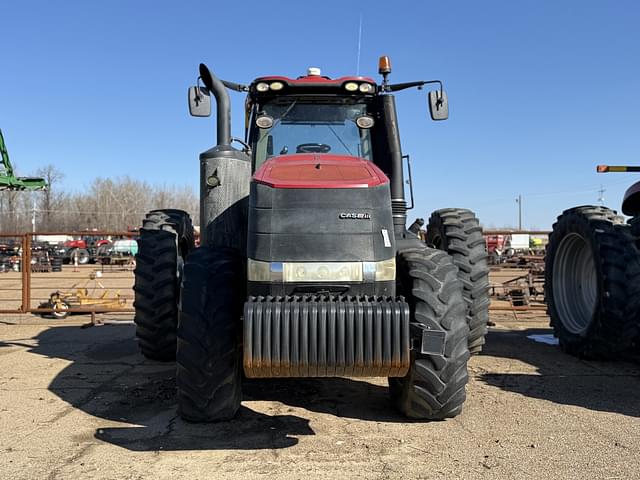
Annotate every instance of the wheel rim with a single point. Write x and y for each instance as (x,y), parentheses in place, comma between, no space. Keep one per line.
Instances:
(60,310)
(575,283)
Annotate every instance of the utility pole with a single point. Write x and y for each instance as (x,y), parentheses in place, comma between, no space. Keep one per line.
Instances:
(519,202)
(33,217)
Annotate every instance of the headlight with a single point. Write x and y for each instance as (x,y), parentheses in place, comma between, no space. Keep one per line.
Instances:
(366,88)
(351,86)
(264,121)
(276,85)
(322,272)
(308,272)
(258,271)
(364,122)
(262,87)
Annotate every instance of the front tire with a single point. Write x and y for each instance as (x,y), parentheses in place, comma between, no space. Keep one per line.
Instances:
(591,282)
(165,239)
(209,369)
(457,231)
(434,388)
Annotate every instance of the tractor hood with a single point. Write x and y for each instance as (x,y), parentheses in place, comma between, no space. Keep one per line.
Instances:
(319,170)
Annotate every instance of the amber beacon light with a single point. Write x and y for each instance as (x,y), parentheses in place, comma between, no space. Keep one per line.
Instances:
(384,65)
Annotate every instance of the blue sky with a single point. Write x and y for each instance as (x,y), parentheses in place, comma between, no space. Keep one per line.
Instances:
(540,91)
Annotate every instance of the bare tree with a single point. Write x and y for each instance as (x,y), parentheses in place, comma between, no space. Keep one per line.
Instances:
(105,204)
(52,176)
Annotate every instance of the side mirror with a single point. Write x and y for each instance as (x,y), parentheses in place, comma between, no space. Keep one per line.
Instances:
(438,105)
(199,102)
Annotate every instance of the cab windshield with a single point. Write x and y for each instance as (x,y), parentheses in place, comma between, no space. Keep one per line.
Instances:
(311,125)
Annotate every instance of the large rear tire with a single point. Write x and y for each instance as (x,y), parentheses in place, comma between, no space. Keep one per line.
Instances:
(591,282)
(434,388)
(166,238)
(209,373)
(457,231)
(634,280)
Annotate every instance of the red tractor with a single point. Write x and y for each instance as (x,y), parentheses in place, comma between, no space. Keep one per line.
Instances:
(76,249)
(83,249)
(495,246)
(306,267)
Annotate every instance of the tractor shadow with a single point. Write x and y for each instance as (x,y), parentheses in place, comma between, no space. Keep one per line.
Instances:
(109,379)
(603,386)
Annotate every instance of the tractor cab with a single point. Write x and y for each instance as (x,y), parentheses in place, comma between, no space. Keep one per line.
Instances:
(320,118)
(310,115)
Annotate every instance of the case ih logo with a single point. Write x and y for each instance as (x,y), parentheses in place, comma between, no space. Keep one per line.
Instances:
(354,216)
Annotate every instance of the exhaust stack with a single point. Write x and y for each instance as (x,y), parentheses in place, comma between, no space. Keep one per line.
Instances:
(225,174)
(223,105)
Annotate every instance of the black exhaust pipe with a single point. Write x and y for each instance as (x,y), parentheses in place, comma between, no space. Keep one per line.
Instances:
(392,134)
(223,105)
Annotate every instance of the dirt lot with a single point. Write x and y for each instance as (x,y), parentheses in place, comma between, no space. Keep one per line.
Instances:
(80,403)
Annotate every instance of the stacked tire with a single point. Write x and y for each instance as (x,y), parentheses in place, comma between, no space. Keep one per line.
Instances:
(592,282)
(166,238)
(56,264)
(457,231)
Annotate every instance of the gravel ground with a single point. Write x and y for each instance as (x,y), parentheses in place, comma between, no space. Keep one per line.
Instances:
(82,403)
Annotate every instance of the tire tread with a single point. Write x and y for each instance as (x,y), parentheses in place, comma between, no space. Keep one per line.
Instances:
(434,388)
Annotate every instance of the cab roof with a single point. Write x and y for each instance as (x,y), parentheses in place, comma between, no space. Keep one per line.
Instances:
(310,84)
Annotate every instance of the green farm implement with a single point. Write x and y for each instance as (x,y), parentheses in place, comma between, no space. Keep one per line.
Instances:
(8,180)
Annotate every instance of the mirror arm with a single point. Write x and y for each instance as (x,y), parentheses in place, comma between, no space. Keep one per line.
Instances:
(419,84)
(198,88)
(235,86)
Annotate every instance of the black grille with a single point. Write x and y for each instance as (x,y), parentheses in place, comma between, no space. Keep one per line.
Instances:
(326,336)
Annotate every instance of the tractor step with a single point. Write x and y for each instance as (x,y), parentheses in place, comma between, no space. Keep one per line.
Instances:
(326,336)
